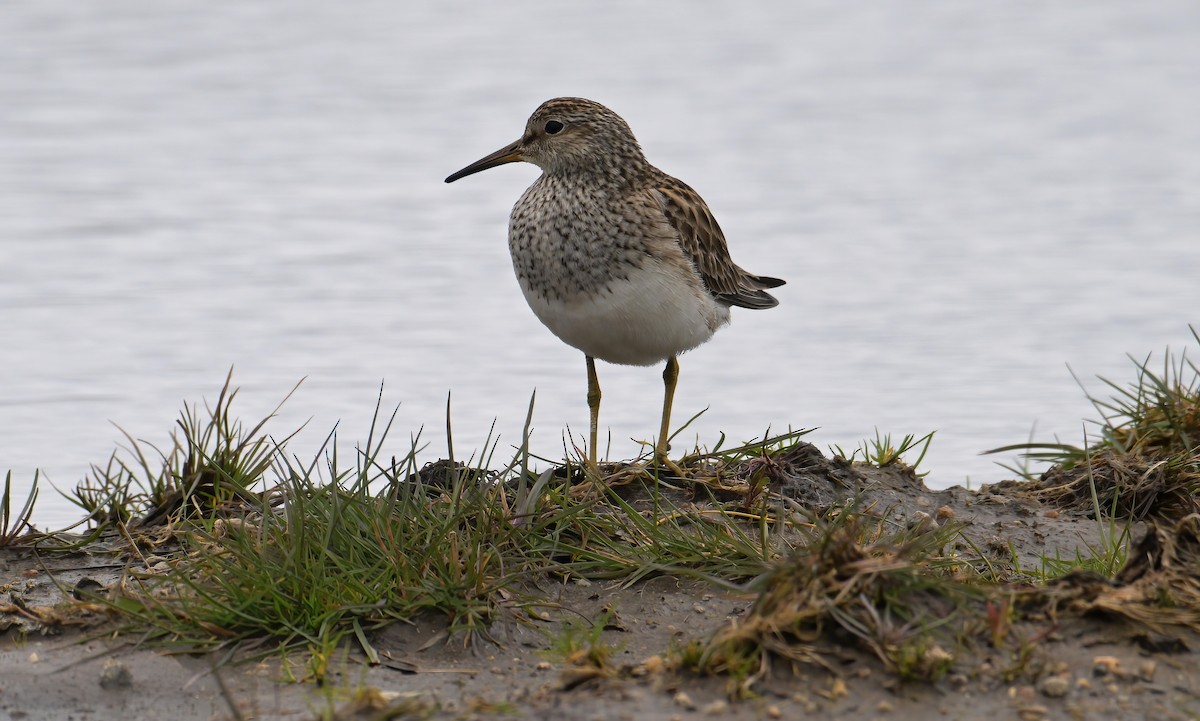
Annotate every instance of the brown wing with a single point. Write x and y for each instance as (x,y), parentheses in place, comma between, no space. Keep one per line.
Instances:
(703,243)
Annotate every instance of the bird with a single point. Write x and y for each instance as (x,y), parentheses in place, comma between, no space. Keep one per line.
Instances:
(618,259)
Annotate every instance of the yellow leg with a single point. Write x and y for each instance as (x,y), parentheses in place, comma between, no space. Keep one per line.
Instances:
(593,399)
(670,376)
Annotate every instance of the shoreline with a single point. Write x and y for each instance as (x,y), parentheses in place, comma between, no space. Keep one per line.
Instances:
(229,578)
(550,664)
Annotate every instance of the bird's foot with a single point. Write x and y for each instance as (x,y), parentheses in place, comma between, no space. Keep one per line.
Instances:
(592,472)
(663,462)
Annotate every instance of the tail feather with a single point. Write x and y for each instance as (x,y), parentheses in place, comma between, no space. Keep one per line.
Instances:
(752,292)
(754,299)
(764,281)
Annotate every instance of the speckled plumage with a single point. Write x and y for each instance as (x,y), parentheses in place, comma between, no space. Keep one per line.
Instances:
(617,258)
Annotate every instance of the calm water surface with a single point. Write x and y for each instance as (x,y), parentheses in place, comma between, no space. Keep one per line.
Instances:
(964,199)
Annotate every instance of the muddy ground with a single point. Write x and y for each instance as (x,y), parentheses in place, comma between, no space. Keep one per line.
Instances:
(1089,667)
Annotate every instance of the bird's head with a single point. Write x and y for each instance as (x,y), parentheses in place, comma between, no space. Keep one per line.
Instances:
(569,134)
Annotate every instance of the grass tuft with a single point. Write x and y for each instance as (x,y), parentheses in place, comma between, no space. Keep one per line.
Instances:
(266,551)
(334,548)
(15,528)
(881,451)
(859,580)
(1146,459)
(213,465)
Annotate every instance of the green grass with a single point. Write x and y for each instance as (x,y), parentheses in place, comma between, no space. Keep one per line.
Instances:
(15,526)
(271,551)
(213,462)
(1139,461)
(1140,458)
(1105,556)
(310,554)
(882,451)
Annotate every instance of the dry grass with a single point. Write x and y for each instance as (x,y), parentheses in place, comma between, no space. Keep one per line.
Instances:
(1145,459)
(270,550)
(1131,485)
(1160,585)
(859,581)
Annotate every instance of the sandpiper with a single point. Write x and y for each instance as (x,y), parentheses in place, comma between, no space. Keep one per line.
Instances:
(614,256)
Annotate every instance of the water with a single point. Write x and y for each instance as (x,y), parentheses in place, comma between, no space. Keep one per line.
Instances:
(964,199)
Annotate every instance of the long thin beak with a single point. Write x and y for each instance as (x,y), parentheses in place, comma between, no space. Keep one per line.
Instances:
(507,154)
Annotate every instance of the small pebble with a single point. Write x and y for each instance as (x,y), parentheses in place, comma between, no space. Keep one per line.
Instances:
(699,608)
(682,699)
(885,707)
(1055,686)
(1105,665)
(944,513)
(1032,713)
(1025,694)
(774,712)
(85,589)
(543,666)
(114,674)
(716,708)
(921,519)
(1146,670)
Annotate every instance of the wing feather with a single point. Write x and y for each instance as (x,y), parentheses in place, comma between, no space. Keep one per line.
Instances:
(701,240)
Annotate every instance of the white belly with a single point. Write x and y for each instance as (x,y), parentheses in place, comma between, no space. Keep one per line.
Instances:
(642,320)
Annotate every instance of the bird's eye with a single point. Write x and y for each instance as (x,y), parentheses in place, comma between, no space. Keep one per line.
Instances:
(553,127)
